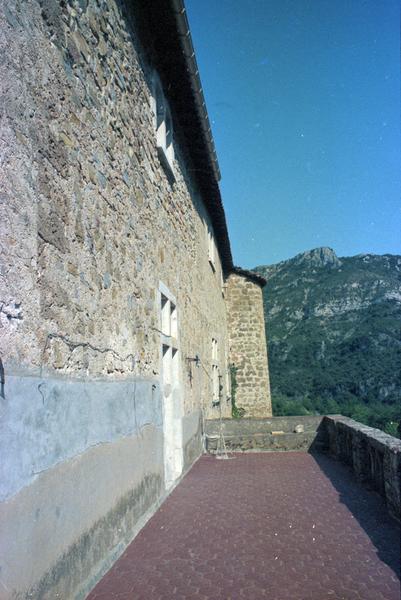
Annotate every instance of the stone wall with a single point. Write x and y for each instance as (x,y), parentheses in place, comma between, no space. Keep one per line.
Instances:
(91,224)
(374,456)
(247,340)
(274,434)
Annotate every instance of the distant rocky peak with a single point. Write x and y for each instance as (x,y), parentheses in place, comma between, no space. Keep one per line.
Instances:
(319,257)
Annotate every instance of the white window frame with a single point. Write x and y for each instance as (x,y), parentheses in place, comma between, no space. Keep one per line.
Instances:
(163,125)
(171,386)
(215,350)
(215,373)
(165,321)
(211,247)
(168,316)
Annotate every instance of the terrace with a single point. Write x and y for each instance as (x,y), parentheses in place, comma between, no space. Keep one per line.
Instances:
(279,525)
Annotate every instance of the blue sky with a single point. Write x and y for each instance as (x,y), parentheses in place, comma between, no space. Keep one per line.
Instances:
(304,101)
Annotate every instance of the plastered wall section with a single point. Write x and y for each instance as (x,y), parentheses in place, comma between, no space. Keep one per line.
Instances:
(90,221)
(247,341)
(90,226)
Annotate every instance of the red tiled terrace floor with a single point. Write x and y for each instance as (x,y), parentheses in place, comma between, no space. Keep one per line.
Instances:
(281,526)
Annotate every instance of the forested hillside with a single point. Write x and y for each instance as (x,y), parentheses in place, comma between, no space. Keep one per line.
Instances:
(334,335)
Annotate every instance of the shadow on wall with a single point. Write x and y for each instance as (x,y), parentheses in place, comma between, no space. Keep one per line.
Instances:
(367,507)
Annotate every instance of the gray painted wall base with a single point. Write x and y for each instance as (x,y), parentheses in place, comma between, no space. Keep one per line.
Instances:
(83,469)
(48,421)
(192,438)
(194,442)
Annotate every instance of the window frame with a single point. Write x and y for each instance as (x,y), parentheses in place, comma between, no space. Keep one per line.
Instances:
(211,246)
(172,391)
(168,318)
(163,126)
(216,398)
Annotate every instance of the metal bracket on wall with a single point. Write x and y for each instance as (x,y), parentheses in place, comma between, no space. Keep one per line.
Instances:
(194,359)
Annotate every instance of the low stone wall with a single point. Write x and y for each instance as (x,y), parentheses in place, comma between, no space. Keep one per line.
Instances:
(374,456)
(274,434)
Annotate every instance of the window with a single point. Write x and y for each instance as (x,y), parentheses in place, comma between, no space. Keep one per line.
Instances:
(163,124)
(171,386)
(168,314)
(173,321)
(215,374)
(211,247)
(165,315)
(214,350)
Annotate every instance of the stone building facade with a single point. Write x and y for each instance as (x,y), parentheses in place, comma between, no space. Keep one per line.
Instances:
(117,283)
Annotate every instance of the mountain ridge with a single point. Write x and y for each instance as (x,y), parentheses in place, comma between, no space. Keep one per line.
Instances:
(323,250)
(334,335)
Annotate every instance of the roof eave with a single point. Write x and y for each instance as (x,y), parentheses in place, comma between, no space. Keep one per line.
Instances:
(251,275)
(170,49)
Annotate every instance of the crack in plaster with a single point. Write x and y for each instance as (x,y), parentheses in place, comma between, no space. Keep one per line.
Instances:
(74,345)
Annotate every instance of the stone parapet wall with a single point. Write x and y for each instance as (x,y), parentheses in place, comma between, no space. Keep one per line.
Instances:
(374,456)
(247,346)
(267,425)
(275,434)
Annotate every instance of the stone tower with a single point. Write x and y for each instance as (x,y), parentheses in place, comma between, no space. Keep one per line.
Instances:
(247,343)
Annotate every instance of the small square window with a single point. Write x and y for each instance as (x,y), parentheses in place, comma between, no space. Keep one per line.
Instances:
(173,321)
(163,124)
(214,350)
(211,247)
(215,373)
(165,315)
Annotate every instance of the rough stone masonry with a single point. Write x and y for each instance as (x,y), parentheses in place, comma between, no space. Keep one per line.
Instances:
(248,344)
(102,406)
